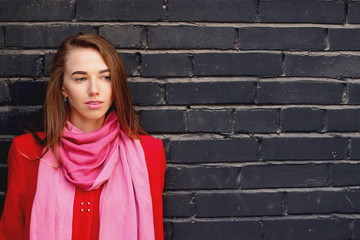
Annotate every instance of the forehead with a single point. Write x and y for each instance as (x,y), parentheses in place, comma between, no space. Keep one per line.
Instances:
(84,59)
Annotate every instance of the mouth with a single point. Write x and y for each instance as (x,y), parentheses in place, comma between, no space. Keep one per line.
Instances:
(94,104)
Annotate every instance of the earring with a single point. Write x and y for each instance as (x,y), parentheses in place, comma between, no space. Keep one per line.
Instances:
(65,99)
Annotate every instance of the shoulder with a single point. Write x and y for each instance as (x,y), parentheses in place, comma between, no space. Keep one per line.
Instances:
(27,146)
(154,152)
(150,142)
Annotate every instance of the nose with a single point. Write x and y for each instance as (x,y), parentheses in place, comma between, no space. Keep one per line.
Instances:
(93,87)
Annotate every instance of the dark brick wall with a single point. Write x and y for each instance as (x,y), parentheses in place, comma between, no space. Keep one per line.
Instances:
(257,102)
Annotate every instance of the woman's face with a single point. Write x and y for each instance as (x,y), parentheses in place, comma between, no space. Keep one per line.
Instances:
(88,87)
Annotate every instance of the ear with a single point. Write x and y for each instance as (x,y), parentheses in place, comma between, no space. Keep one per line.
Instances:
(63,92)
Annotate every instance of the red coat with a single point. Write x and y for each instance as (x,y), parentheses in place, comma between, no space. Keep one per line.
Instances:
(22,180)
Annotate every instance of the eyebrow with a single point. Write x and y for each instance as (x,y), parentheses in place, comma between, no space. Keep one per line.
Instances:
(83,72)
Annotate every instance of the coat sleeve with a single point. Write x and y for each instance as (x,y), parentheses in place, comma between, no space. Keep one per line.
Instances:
(12,223)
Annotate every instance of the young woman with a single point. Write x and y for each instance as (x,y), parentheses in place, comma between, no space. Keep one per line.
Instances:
(92,173)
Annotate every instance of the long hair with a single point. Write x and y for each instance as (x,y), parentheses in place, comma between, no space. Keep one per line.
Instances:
(56,111)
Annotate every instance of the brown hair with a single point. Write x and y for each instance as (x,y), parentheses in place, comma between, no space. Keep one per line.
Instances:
(56,111)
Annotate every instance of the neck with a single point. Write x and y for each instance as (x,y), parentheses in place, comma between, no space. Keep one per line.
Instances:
(88,126)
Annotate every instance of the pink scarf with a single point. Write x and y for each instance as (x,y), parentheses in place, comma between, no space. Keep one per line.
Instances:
(106,156)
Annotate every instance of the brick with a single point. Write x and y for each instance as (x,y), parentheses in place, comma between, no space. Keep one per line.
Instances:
(188,37)
(47,63)
(4,149)
(235,64)
(165,65)
(238,204)
(339,66)
(301,119)
(168,230)
(3,179)
(343,120)
(147,93)
(4,92)
(113,10)
(179,205)
(36,10)
(233,150)
(345,174)
(323,202)
(131,63)
(209,121)
(128,36)
(280,176)
(282,148)
(219,230)
(18,65)
(201,178)
(27,92)
(282,38)
(2,38)
(45,36)
(302,92)
(210,92)
(256,120)
(354,12)
(159,121)
(2,201)
(299,229)
(355,148)
(16,121)
(344,39)
(208,11)
(354,93)
(306,11)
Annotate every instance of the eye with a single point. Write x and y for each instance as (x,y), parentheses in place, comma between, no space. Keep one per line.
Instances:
(106,77)
(79,79)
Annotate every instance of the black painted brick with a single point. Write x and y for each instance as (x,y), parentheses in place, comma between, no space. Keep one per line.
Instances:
(235,64)
(193,151)
(309,229)
(256,120)
(131,63)
(165,65)
(343,120)
(16,121)
(306,11)
(4,149)
(344,39)
(147,93)
(302,92)
(354,93)
(354,12)
(4,92)
(301,119)
(323,202)
(238,204)
(209,10)
(157,121)
(188,37)
(201,178)
(27,92)
(44,36)
(345,174)
(47,63)
(356,231)
(216,121)
(355,148)
(1,37)
(219,230)
(3,179)
(113,10)
(18,65)
(168,231)
(179,205)
(339,66)
(278,176)
(282,38)
(210,92)
(35,10)
(2,201)
(282,148)
(127,36)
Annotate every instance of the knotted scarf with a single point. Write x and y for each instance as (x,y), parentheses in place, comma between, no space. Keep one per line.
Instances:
(88,160)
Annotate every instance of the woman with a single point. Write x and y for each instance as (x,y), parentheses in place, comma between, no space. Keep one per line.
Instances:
(92,173)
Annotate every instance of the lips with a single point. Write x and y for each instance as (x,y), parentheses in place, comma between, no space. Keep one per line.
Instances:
(94,104)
